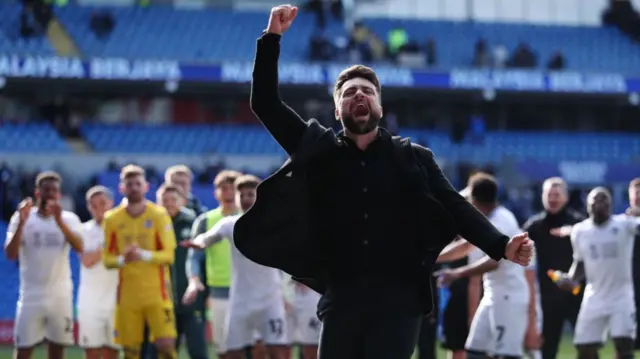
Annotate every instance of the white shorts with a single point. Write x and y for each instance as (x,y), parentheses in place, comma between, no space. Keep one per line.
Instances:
(95,329)
(219,309)
(51,320)
(303,325)
(242,324)
(498,329)
(593,329)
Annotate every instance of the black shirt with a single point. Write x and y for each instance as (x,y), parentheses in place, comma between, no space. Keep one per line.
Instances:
(552,252)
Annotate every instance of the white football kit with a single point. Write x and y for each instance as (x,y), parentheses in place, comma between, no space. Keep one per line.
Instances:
(45,304)
(96,295)
(303,324)
(500,323)
(608,304)
(256,301)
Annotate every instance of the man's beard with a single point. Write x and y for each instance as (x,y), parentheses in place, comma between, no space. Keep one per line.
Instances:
(358,128)
(135,198)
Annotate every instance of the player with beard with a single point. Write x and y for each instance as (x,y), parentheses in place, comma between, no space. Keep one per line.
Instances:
(40,238)
(217,258)
(603,253)
(345,203)
(256,301)
(140,243)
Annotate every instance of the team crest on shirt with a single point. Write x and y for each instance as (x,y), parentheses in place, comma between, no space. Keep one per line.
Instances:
(148,224)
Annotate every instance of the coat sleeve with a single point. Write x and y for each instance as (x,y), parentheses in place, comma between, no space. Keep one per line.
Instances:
(282,122)
(472,225)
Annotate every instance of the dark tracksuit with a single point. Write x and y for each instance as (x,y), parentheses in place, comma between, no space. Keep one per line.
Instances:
(555,253)
(190,320)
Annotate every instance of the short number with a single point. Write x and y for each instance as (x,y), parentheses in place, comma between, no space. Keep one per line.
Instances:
(68,325)
(500,329)
(168,314)
(276,326)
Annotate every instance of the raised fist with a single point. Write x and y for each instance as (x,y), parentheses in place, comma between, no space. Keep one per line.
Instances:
(281,18)
(24,209)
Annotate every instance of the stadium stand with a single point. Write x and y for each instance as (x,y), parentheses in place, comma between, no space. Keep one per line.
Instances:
(253,140)
(32,138)
(148,37)
(10,40)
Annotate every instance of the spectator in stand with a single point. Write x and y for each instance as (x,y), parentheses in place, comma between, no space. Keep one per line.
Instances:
(431,52)
(556,62)
(102,24)
(481,56)
(319,47)
(396,39)
(523,57)
(622,15)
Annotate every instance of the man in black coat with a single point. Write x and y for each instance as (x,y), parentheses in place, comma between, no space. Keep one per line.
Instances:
(359,217)
(554,252)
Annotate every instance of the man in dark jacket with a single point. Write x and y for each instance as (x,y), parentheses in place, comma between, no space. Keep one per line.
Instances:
(634,210)
(555,253)
(345,204)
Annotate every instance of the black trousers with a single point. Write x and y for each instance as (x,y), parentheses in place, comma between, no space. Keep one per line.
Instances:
(556,310)
(368,335)
(427,337)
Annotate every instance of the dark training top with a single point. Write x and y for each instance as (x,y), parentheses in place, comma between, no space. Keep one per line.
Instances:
(363,206)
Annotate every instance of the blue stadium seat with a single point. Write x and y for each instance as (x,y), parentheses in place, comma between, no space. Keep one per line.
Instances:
(10,40)
(158,32)
(31,138)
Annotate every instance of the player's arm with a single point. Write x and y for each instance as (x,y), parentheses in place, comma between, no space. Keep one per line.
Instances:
(92,253)
(196,257)
(284,124)
(472,225)
(165,254)
(221,230)
(576,272)
(14,237)
(473,295)
(72,232)
(531,274)
(479,267)
(454,251)
(111,258)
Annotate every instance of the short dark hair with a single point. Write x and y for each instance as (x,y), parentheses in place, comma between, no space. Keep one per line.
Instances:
(247,181)
(45,176)
(353,72)
(130,171)
(484,188)
(168,187)
(226,176)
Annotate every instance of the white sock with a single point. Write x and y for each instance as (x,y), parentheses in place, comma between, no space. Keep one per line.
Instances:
(534,354)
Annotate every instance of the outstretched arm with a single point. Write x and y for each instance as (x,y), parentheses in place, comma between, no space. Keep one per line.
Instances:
(472,225)
(454,251)
(284,124)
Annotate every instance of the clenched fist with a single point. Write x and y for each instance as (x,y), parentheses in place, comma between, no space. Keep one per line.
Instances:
(281,18)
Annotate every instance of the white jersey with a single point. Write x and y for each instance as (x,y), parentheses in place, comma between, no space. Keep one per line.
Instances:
(508,282)
(298,295)
(533,266)
(252,285)
(607,254)
(45,272)
(98,285)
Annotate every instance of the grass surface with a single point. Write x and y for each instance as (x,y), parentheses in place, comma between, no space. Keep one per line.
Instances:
(566,351)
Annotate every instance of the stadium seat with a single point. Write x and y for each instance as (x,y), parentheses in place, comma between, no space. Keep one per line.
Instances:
(31,138)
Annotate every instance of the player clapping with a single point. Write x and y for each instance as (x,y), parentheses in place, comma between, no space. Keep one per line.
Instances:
(603,253)
(98,285)
(140,242)
(40,237)
(256,300)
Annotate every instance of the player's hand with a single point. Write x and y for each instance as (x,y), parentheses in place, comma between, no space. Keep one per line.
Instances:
(24,209)
(446,277)
(563,231)
(188,243)
(131,254)
(520,249)
(192,291)
(54,208)
(565,283)
(633,211)
(281,18)
(532,339)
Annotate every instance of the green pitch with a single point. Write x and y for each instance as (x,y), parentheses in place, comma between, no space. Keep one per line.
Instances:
(566,352)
